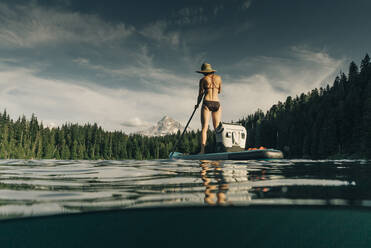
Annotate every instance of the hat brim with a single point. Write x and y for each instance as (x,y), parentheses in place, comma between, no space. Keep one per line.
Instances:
(206,71)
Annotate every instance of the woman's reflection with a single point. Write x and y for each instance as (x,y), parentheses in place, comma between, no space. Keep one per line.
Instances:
(216,188)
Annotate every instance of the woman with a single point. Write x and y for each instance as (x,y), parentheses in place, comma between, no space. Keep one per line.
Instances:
(210,85)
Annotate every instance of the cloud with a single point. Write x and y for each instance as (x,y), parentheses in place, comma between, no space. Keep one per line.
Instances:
(302,70)
(158,31)
(31,25)
(246,4)
(81,61)
(244,96)
(70,49)
(148,77)
(268,80)
(76,47)
(135,122)
(190,15)
(318,57)
(56,102)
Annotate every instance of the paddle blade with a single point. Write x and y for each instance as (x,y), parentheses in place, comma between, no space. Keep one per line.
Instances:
(175,154)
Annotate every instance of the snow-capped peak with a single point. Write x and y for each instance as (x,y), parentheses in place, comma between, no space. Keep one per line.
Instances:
(164,126)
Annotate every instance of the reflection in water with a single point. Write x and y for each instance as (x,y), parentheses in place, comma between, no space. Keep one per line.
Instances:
(216,178)
(261,177)
(219,187)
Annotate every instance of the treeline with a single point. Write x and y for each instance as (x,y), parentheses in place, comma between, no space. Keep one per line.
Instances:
(326,122)
(29,139)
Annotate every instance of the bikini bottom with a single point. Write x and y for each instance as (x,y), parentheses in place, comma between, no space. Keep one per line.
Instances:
(213,106)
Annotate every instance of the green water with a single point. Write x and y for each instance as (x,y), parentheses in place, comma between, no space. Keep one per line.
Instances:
(166,203)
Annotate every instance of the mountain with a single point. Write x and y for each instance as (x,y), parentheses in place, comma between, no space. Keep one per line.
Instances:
(164,126)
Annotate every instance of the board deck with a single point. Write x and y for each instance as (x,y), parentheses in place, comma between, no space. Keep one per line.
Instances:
(243,155)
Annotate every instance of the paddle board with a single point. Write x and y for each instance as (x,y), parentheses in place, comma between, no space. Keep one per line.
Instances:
(242,155)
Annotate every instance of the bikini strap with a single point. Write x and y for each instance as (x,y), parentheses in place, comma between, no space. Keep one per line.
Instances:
(213,82)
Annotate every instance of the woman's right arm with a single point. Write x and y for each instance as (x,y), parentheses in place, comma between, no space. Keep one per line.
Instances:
(201,92)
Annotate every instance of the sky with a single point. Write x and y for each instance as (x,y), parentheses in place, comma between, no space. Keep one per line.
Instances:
(126,64)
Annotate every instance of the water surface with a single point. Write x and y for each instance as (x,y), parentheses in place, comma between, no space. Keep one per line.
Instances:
(44,187)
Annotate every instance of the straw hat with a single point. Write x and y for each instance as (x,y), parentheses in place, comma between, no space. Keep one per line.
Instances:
(206,68)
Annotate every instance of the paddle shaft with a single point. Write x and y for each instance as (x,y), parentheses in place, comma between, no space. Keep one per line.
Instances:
(185,128)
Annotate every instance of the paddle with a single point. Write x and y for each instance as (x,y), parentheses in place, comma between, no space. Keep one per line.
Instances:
(176,144)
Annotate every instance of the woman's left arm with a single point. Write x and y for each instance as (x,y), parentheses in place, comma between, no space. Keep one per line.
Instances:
(220,85)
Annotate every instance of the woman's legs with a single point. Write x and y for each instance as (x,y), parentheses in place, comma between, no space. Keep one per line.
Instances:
(217,117)
(205,117)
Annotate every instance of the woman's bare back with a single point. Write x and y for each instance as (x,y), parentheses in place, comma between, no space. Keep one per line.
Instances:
(212,84)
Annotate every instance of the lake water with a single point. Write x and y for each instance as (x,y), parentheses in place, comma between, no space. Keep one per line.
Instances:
(45,187)
(175,203)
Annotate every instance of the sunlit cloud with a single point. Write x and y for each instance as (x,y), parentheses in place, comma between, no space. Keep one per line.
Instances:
(57,102)
(303,70)
(276,79)
(135,122)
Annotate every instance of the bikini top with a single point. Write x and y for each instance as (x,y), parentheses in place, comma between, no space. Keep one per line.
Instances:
(212,84)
